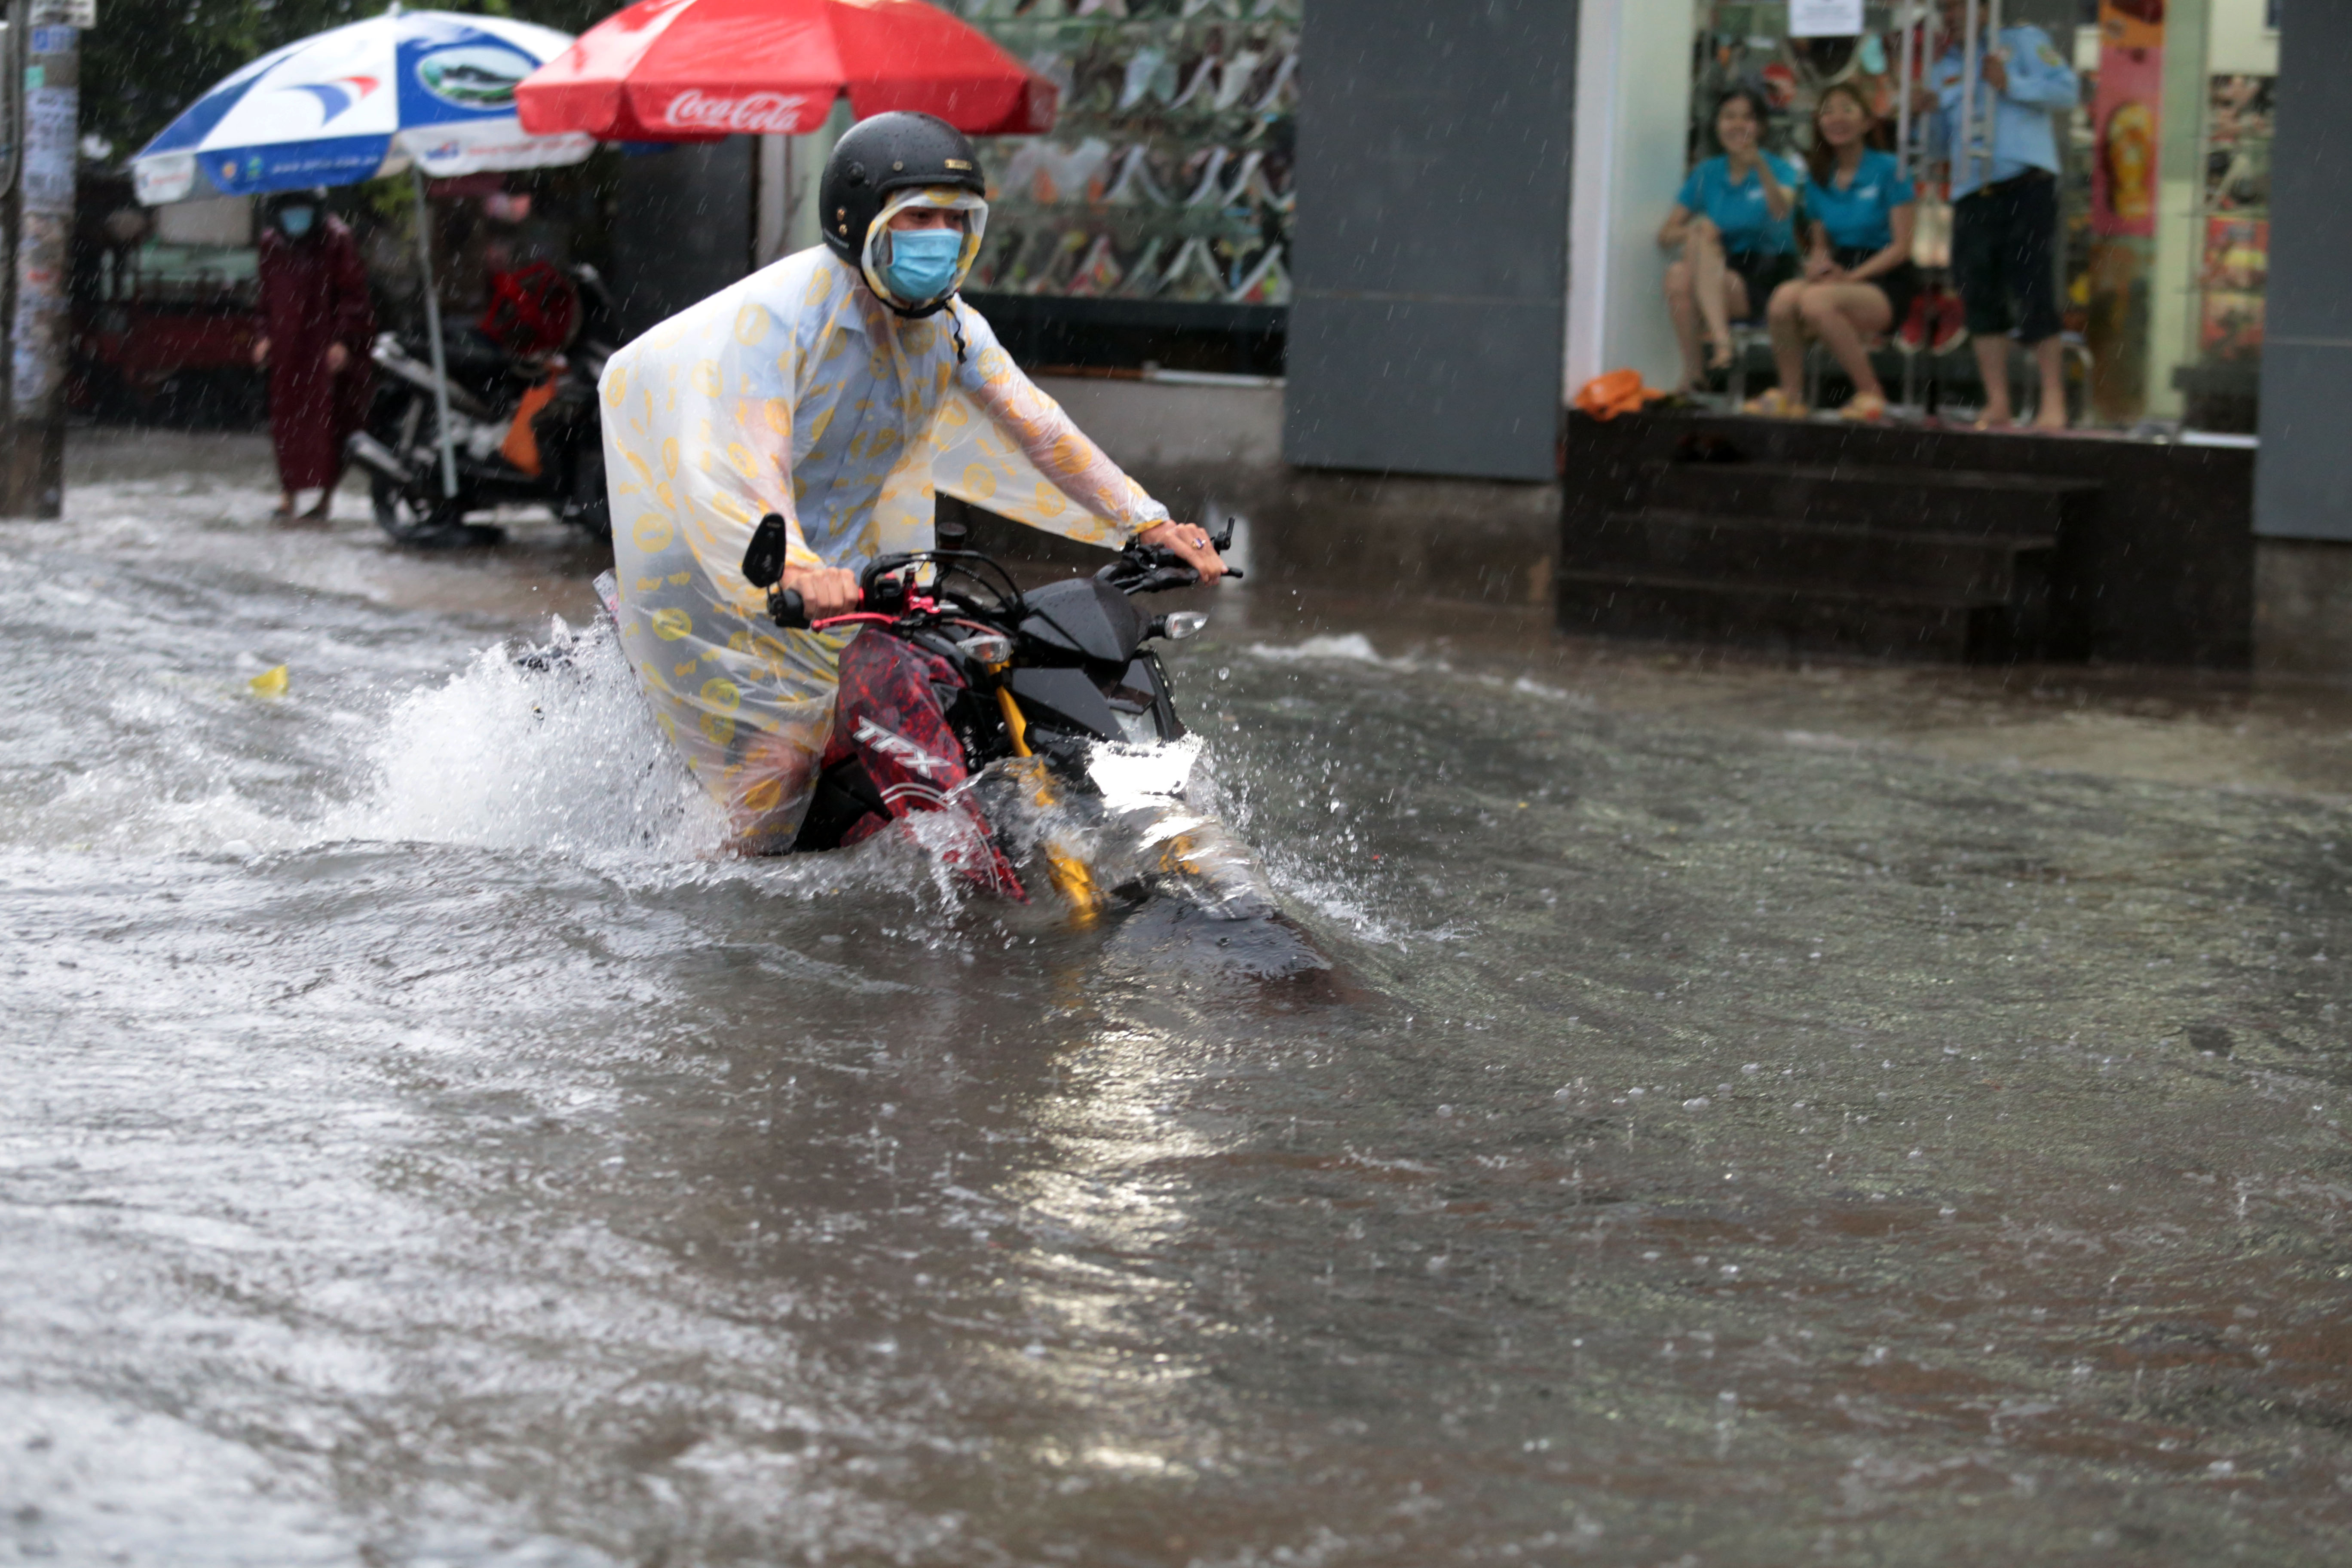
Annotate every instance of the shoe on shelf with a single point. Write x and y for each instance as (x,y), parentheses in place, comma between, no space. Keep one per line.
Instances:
(1146,72)
(1951,325)
(1282,93)
(1913,333)
(1099,274)
(1234,76)
(1268,282)
(1193,277)
(1144,275)
(1209,188)
(1198,85)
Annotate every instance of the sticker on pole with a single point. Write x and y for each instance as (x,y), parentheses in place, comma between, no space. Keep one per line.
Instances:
(51,137)
(1824,18)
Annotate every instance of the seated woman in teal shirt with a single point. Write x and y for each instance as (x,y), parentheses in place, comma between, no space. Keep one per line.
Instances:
(1859,280)
(1731,219)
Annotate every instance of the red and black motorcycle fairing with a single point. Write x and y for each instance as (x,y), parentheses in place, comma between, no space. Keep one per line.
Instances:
(894,753)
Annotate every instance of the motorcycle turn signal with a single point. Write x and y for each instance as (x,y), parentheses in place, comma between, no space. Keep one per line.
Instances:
(1179,626)
(987,649)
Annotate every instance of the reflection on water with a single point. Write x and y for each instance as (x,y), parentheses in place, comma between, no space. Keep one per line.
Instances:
(1744,1125)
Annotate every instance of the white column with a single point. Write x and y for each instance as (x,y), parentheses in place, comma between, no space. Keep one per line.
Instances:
(771,163)
(1632,117)
(2175,294)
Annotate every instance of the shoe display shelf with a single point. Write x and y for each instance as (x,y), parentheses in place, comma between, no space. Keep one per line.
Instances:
(1162,197)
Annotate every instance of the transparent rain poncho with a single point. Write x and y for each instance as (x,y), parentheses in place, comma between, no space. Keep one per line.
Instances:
(798,391)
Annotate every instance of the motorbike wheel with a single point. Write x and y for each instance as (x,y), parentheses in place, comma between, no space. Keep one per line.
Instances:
(438,523)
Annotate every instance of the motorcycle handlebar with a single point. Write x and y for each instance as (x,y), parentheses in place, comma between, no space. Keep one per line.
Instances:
(1164,570)
(787,610)
(790,611)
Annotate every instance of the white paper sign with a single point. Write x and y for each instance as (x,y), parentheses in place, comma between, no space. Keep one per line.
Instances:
(82,13)
(1824,18)
(50,147)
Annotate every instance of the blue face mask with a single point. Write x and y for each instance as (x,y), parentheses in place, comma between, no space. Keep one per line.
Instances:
(923,263)
(296,221)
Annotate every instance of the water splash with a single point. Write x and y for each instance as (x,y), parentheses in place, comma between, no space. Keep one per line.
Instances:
(565,759)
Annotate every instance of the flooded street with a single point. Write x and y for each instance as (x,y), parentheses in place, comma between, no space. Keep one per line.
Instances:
(1754,1115)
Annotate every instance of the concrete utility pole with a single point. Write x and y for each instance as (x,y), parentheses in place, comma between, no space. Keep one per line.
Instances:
(40,329)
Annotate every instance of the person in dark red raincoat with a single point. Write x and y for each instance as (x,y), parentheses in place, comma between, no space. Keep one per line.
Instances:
(315,325)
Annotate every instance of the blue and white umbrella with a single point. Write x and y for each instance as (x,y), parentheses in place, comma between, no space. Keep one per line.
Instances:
(426,89)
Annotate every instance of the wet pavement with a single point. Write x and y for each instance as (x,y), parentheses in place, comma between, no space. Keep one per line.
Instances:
(1756,1113)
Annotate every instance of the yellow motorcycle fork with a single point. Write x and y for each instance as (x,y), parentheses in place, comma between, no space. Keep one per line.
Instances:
(1071,878)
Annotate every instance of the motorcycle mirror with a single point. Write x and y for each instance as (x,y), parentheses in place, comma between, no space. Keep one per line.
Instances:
(1220,539)
(764,562)
(1181,625)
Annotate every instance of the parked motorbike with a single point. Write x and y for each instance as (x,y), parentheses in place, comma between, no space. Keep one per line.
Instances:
(523,413)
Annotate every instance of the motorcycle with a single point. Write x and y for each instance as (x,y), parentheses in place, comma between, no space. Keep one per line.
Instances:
(1060,705)
(1078,764)
(524,419)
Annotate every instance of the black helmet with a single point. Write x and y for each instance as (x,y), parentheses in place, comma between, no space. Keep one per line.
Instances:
(895,151)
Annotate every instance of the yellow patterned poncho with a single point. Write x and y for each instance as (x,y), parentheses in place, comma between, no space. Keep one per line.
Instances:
(798,391)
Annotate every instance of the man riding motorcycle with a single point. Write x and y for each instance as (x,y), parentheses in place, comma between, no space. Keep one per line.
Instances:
(843,388)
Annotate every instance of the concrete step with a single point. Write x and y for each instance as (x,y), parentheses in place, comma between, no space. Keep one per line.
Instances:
(1918,501)
(1799,617)
(1953,569)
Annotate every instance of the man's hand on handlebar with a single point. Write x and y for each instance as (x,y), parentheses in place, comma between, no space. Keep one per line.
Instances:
(1188,541)
(828,591)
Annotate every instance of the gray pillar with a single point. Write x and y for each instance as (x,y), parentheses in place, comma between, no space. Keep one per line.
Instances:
(31,482)
(1431,251)
(2302,484)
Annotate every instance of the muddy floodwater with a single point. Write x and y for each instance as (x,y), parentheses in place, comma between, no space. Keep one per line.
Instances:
(1755,1114)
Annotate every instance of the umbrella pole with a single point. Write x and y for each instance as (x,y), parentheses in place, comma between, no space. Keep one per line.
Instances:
(432,331)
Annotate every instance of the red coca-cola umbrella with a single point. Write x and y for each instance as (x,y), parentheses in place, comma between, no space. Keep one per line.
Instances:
(693,70)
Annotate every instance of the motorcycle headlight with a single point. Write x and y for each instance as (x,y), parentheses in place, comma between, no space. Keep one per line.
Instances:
(1178,625)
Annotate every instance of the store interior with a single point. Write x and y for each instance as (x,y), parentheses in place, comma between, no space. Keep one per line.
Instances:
(2164,197)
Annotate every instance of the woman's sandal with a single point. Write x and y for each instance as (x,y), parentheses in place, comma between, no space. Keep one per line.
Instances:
(1774,404)
(1864,408)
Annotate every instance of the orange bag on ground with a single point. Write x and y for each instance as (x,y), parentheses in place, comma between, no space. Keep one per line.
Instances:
(1618,392)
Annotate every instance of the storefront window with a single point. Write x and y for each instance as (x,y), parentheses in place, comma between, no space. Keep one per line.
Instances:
(1168,176)
(2163,275)
(2236,255)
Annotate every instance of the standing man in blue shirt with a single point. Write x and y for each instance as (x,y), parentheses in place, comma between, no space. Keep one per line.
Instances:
(2005,206)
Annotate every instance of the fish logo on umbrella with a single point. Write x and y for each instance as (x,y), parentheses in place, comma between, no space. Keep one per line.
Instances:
(473,76)
(338,94)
